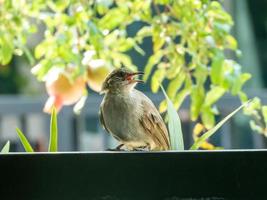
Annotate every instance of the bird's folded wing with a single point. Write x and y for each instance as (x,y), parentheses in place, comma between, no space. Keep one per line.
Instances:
(154,125)
(102,121)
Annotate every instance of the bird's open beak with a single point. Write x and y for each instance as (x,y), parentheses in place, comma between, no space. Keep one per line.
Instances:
(132,78)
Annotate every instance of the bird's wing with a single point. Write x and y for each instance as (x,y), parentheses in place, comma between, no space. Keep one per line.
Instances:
(101,118)
(154,125)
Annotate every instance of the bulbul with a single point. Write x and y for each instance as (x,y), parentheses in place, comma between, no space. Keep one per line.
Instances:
(129,115)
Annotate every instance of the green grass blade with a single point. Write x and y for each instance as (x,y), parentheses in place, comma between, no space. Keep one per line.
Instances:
(6,148)
(24,141)
(53,132)
(174,125)
(210,132)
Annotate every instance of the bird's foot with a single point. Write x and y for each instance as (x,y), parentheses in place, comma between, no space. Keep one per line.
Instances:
(145,148)
(118,148)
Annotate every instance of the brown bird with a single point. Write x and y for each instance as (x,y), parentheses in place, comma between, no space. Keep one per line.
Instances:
(129,115)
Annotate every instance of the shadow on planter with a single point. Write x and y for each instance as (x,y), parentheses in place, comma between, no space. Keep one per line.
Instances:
(215,175)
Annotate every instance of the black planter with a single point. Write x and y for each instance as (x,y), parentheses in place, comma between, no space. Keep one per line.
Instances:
(186,175)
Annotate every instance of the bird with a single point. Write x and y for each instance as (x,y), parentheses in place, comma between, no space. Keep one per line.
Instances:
(129,115)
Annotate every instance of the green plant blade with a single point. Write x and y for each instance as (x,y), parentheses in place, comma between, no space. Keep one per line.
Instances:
(24,141)
(6,148)
(174,125)
(210,132)
(53,132)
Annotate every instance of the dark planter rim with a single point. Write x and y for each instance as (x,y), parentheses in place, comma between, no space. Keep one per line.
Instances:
(108,175)
(140,152)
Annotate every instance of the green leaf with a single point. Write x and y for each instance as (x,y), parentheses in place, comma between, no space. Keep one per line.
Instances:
(123,59)
(216,73)
(103,6)
(113,18)
(138,49)
(24,141)
(238,82)
(243,96)
(42,68)
(207,117)
(53,132)
(157,79)
(264,113)
(174,125)
(201,73)
(145,31)
(255,127)
(58,5)
(182,94)
(6,148)
(157,38)
(180,97)
(41,49)
(28,54)
(214,95)
(209,133)
(152,61)
(6,49)
(175,85)
(197,99)
(231,42)
(163,2)
(125,44)
(95,35)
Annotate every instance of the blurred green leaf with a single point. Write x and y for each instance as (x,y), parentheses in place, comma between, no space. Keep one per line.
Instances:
(145,31)
(180,97)
(115,17)
(175,85)
(95,35)
(215,93)
(207,117)
(210,132)
(6,148)
(163,2)
(6,48)
(125,44)
(24,141)
(152,61)
(42,68)
(231,42)
(243,97)
(174,124)
(103,6)
(157,79)
(216,73)
(157,38)
(238,83)
(58,5)
(197,99)
(121,59)
(182,94)
(53,132)
(255,127)
(264,113)
(28,54)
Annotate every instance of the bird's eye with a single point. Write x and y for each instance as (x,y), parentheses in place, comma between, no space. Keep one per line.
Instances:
(122,74)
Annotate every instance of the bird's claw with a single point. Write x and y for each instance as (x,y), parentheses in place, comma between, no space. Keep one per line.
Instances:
(118,148)
(145,148)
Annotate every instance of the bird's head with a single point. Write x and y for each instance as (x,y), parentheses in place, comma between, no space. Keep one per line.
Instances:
(120,80)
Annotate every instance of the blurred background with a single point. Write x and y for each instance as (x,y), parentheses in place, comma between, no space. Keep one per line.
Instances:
(22,97)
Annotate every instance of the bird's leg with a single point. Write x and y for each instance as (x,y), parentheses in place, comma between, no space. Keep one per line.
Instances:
(118,148)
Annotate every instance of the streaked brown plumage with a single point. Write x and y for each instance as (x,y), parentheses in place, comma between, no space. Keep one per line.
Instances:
(129,115)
